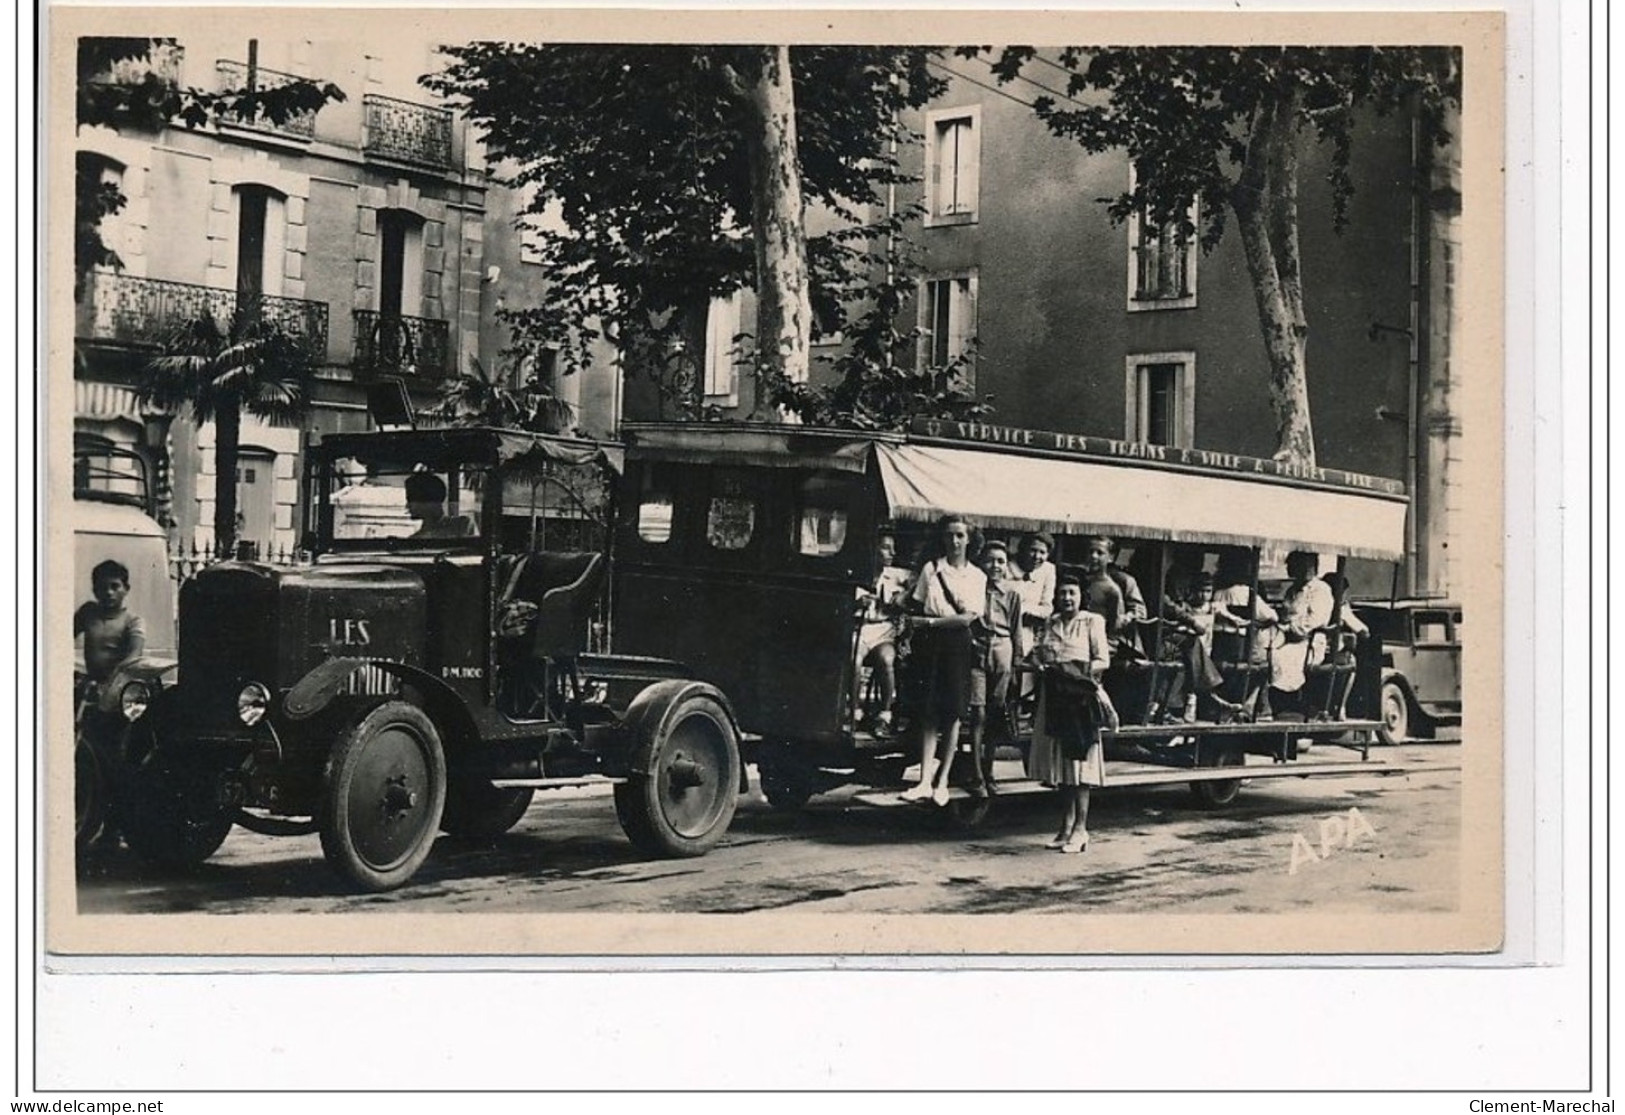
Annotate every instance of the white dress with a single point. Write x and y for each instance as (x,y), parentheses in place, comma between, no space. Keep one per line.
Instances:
(1082,638)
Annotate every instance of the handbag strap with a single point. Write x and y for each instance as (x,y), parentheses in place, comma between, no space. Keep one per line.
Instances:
(948,593)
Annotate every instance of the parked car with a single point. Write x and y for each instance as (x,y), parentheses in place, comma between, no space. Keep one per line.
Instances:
(1421,665)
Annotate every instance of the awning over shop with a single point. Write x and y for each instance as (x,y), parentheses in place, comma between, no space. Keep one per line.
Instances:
(104,402)
(1016,492)
(761,446)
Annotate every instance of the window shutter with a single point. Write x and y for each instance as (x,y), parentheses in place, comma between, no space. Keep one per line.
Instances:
(969,171)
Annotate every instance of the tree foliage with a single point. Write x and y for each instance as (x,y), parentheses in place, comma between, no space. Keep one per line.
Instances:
(219,370)
(638,157)
(123,85)
(1221,128)
(515,398)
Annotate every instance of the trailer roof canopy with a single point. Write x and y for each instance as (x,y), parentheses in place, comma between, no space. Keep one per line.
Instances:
(1138,500)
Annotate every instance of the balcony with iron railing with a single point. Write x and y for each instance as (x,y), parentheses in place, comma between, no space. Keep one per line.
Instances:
(406,132)
(234,79)
(129,310)
(417,349)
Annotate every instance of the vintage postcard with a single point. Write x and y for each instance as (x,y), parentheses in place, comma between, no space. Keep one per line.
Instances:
(547,483)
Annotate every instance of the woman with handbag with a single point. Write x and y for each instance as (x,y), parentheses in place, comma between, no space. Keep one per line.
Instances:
(1072,652)
(948,597)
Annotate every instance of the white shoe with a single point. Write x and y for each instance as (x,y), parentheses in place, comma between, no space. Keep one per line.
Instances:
(1305,745)
(916,793)
(940,795)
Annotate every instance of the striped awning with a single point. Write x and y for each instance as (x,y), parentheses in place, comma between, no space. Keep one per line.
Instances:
(104,402)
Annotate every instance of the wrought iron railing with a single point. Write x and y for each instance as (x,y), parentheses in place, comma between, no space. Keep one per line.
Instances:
(417,349)
(126,309)
(409,132)
(234,79)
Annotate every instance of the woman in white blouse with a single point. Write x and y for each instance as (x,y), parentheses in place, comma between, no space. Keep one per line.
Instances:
(949,595)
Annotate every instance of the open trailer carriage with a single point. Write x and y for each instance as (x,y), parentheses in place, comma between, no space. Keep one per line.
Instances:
(744,551)
(427,666)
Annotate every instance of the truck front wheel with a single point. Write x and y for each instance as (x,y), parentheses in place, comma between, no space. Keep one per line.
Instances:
(682,793)
(385,789)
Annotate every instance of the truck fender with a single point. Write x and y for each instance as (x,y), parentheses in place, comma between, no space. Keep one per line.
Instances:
(317,689)
(151,671)
(646,717)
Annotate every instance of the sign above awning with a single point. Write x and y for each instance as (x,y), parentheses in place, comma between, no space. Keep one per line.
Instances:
(1018,492)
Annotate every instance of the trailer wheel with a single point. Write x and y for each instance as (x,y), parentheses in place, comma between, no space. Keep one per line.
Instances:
(384,790)
(683,789)
(1395,711)
(172,816)
(1218,792)
(477,810)
(968,813)
(787,782)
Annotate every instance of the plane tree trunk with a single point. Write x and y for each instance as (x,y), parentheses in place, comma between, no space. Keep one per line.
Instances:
(783,306)
(1265,200)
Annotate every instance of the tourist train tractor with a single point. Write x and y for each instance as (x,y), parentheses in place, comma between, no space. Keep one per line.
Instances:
(426,666)
(744,551)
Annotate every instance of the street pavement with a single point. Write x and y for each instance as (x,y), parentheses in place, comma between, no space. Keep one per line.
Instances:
(1363,843)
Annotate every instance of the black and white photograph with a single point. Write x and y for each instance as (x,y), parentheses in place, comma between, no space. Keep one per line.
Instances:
(983,498)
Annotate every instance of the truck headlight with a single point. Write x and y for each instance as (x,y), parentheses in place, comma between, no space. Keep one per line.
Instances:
(253,703)
(133,700)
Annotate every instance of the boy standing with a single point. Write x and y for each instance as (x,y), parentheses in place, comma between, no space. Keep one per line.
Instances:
(995,655)
(113,635)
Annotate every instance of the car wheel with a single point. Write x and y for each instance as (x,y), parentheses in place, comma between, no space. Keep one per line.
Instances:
(385,790)
(683,789)
(1395,711)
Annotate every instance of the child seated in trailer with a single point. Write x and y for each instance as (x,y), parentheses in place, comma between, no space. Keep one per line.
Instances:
(1189,684)
(880,630)
(1243,662)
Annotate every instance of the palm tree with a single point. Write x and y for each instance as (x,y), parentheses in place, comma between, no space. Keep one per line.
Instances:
(220,370)
(481,398)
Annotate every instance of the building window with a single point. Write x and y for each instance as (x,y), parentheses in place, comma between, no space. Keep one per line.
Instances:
(1160,389)
(1161,262)
(953,140)
(262,235)
(400,263)
(530,244)
(722,329)
(947,319)
(103,177)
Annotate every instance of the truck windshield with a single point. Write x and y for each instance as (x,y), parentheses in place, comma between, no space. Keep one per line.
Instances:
(399,502)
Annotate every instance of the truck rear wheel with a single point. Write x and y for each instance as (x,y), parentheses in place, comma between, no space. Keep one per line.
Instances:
(477,810)
(682,793)
(385,789)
